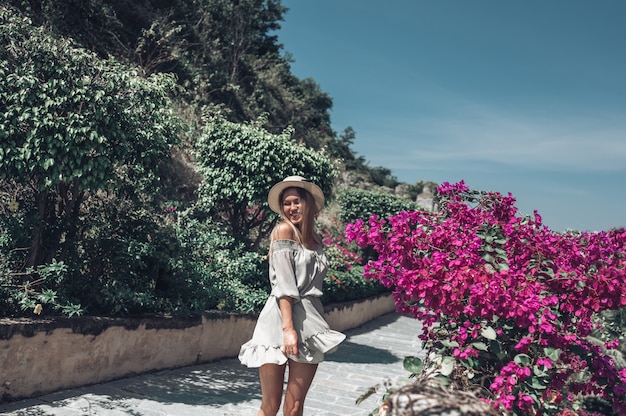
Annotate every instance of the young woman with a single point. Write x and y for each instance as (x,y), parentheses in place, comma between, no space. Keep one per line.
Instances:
(291,330)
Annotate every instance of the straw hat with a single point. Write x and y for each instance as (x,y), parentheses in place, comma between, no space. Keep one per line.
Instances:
(273,198)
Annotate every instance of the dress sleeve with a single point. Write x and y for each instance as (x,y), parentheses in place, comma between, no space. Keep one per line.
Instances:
(284,268)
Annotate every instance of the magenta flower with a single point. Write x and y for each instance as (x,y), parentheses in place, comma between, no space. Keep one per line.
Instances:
(505,289)
(522,345)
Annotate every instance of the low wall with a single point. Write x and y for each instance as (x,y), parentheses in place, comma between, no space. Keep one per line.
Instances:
(47,355)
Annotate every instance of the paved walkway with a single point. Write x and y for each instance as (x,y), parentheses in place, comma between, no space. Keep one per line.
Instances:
(372,354)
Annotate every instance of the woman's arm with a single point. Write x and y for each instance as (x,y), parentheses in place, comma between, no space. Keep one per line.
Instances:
(290,337)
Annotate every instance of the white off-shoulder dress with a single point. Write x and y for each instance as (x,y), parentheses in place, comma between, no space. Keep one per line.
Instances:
(297,272)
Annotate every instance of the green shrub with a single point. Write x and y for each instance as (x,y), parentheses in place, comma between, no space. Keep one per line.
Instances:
(225,276)
(349,285)
(75,127)
(361,204)
(182,265)
(26,289)
(240,162)
(126,264)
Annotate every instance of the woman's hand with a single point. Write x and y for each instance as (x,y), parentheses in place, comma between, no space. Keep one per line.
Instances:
(290,342)
(290,336)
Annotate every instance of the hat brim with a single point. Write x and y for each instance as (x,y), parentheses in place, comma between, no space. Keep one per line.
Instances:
(273,198)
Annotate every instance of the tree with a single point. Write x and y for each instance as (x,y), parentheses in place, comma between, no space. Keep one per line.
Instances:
(382,176)
(241,162)
(71,124)
(341,149)
(225,55)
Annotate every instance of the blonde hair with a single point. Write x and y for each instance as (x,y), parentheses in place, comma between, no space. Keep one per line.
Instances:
(306,233)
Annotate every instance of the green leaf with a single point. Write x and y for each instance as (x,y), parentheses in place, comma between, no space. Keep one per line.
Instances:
(472,362)
(413,365)
(539,372)
(537,383)
(447,366)
(489,333)
(444,380)
(72,310)
(48,163)
(480,346)
(522,359)
(552,353)
(47,296)
(496,348)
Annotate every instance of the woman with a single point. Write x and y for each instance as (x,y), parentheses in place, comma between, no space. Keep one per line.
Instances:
(291,330)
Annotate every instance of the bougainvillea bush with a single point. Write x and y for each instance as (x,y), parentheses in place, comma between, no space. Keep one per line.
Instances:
(506,300)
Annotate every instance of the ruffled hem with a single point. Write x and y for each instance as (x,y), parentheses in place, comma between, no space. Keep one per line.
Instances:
(253,356)
(325,342)
(311,351)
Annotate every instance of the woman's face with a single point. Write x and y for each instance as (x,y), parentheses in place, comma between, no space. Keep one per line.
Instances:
(293,206)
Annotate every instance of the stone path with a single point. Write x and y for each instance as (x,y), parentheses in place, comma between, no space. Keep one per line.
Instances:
(371,355)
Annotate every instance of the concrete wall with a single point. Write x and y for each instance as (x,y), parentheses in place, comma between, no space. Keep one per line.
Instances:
(42,356)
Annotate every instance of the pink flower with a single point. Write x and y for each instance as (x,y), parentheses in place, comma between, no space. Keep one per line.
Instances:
(476,272)
(525,402)
(523,344)
(523,373)
(546,362)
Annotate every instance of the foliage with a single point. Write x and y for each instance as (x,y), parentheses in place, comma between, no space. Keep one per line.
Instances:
(506,302)
(223,274)
(382,176)
(128,263)
(85,144)
(24,297)
(240,163)
(73,123)
(341,149)
(133,261)
(611,324)
(414,190)
(224,54)
(360,204)
(58,96)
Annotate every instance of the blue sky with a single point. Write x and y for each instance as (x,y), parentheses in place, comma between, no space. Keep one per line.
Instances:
(527,97)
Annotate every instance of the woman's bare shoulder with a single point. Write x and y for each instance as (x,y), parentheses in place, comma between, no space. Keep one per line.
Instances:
(283,231)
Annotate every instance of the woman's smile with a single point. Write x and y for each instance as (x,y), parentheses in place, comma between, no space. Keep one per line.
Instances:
(292,205)
(295,217)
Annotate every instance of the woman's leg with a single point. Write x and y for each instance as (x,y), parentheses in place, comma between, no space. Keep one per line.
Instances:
(272,377)
(298,383)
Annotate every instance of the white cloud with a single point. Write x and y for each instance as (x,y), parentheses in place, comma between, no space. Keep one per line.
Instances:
(566,143)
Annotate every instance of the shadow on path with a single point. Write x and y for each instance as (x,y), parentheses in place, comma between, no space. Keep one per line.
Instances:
(212,384)
(351,352)
(219,383)
(376,324)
